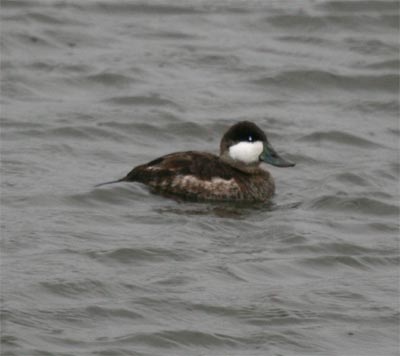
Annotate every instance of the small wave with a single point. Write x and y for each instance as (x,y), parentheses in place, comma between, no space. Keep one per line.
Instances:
(302,21)
(278,316)
(188,129)
(358,262)
(368,46)
(110,79)
(298,20)
(395,167)
(390,107)
(353,179)
(359,6)
(144,8)
(380,260)
(30,39)
(68,131)
(74,132)
(151,100)
(354,205)
(255,316)
(185,131)
(222,61)
(336,249)
(6,122)
(174,282)
(47,66)
(338,137)
(171,35)
(123,313)
(334,260)
(319,79)
(134,255)
(178,338)
(139,130)
(8,341)
(16,3)
(384,227)
(76,288)
(308,39)
(117,194)
(386,64)
(47,19)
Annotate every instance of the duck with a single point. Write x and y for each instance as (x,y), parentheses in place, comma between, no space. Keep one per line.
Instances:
(233,175)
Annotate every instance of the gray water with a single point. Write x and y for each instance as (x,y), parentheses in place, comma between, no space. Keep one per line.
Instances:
(91,89)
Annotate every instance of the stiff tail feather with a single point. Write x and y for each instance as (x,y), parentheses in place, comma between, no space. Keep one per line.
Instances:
(112,182)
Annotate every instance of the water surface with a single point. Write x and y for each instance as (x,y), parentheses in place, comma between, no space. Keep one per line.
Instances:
(91,89)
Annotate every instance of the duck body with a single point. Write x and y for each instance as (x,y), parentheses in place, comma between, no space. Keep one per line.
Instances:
(203,176)
(234,175)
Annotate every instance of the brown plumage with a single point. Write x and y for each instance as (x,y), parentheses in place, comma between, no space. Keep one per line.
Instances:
(234,175)
(202,176)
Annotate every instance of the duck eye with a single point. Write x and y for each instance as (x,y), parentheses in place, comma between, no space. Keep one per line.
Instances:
(250,139)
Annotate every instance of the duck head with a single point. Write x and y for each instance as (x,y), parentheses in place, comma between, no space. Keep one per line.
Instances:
(245,144)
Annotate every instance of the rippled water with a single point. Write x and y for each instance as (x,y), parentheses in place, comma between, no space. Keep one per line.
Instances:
(91,89)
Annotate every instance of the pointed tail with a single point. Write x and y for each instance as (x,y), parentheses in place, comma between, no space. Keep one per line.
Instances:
(112,182)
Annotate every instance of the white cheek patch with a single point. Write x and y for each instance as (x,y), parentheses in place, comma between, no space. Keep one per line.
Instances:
(247,152)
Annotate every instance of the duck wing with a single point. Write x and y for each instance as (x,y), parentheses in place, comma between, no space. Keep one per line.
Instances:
(202,165)
(190,174)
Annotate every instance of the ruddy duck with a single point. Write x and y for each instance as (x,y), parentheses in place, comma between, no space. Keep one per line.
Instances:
(234,175)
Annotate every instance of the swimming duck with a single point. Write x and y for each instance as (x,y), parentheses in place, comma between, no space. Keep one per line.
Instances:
(234,175)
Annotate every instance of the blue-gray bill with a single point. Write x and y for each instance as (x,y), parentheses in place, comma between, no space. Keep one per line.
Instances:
(270,156)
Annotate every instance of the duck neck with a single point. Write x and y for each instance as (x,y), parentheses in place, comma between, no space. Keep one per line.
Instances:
(251,168)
